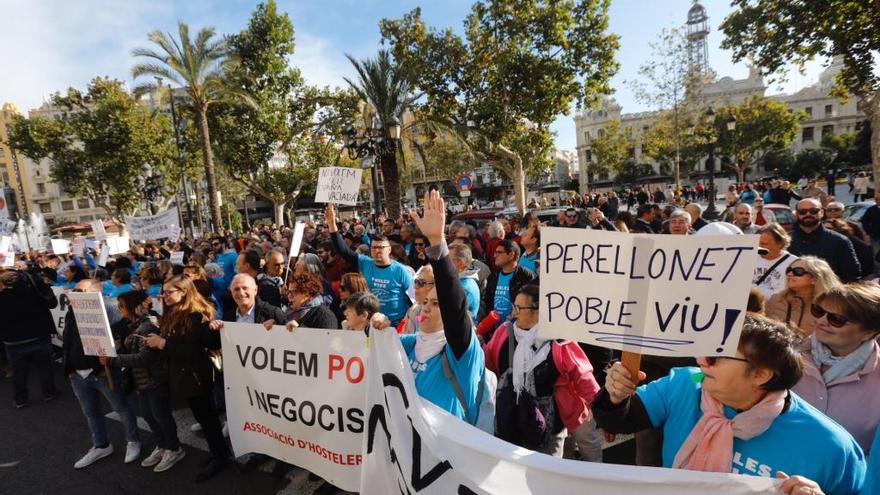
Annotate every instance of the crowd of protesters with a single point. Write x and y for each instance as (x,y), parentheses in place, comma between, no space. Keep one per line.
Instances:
(799,401)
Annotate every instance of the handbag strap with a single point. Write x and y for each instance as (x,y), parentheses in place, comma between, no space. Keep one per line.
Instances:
(447,372)
(768,272)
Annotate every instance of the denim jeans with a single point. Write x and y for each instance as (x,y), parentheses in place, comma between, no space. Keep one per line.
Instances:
(155,408)
(38,353)
(89,390)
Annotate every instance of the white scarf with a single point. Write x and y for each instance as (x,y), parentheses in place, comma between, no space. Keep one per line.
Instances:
(429,345)
(840,366)
(530,352)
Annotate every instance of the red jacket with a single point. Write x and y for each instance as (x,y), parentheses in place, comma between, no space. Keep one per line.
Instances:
(574,389)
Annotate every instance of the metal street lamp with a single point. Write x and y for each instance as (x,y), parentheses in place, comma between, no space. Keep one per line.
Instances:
(730,125)
(149,184)
(372,144)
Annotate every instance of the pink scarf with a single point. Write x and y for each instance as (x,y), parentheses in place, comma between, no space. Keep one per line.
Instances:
(709,447)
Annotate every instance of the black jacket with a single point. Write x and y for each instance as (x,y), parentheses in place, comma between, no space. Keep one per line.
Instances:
(262,311)
(457,324)
(72,350)
(190,371)
(871,222)
(642,227)
(149,368)
(25,306)
(521,278)
(832,247)
(319,317)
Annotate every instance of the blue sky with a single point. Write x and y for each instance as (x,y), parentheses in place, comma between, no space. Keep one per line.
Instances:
(52,44)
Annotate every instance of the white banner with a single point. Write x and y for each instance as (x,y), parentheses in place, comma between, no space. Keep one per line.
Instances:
(92,323)
(412,446)
(151,227)
(59,312)
(296,240)
(338,185)
(666,295)
(297,396)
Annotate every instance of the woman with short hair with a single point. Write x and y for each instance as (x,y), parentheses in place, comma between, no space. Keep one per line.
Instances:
(806,278)
(736,414)
(306,303)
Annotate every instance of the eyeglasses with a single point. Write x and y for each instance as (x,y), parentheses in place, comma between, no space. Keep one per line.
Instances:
(811,211)
(524,308)
(834,319)
(711,360)
(797,271)
(422,283)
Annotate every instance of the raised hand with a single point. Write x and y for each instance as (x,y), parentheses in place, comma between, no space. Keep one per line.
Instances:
(433,219)
(330,218)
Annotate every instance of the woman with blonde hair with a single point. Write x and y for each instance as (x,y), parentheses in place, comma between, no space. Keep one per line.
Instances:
(186,338)
(806,279)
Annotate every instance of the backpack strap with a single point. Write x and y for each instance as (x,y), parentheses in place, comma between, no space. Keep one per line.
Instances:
(772,268)
(447,372)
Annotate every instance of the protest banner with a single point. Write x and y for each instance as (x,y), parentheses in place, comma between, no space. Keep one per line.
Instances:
(78,246)
(412,446)
(104,256)
(98,229)
(151,227)
(659,295)
(176,258)
(59,312)
(7,259)
(60,246)
(117,244)
(92,323)
(5,243)
(338,185)
(298,397)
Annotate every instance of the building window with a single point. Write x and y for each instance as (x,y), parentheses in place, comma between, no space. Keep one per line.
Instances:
(82,204)
(808,111)
(827,130)
(41,188)
(829,111)
(587,136)
(601,133)
(806,134)
(45,208)
(588,155)
(67,205)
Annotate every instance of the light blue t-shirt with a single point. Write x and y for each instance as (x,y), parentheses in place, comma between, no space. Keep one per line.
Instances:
(801,441)
(389,284)
(529,261)
(122,289)
(472,294)
(872,482)
(432,383)
(227,261)
(502,303)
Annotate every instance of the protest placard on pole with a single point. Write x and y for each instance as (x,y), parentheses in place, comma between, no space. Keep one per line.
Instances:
(298,397)
(118,244)
(60,246)
(174,233)
(295,244)
(59,312)
(104,256)
(78,246)
(176,258)
(151,227)
(660,295)
(98,229)
(92,323)
(338,185)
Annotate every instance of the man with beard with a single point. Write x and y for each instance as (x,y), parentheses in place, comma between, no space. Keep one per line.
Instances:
(742,218)
(334,265)
(810,237)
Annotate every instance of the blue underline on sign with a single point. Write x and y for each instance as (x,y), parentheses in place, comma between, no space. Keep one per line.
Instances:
(645,338)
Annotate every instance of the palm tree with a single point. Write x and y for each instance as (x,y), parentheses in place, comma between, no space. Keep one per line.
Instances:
(196,66)
(382,85)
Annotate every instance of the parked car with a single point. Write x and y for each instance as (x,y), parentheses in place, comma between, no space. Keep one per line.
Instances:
(783,213)
(855,211)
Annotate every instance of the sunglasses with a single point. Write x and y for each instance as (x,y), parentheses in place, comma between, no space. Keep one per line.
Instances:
(421,283)
(571,216)
(797,271)
(419,244)
(711,360)
(811,211)
(834,319)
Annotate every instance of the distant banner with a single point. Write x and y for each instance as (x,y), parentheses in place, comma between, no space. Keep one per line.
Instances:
(665,295)
(152,227)
(412,446)
(92,323)
(338,185)
(297,396)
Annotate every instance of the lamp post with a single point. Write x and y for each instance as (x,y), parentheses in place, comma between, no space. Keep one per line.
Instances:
(149,185)
(730,126)
(183,180)
(373,143)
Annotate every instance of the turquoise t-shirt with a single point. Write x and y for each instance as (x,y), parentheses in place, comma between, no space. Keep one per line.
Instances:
(433,385)
(872,483)
(530,261)
(801,441)
(502,303)
(389,284)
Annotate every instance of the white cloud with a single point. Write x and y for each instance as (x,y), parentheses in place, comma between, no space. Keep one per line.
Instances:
(321,63)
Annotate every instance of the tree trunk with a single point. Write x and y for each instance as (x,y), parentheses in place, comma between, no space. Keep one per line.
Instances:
(517,176)
(874,117)
(208,160)
(278,206)
(391,184)
(199,207)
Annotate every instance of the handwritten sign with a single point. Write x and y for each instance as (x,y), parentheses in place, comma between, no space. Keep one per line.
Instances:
(174,233)
(78,246)
(104,256)
(92,322)
(153,226)
(117,244)
(338,185)
(177,258)
(60,246)
(662,295)
(98,229)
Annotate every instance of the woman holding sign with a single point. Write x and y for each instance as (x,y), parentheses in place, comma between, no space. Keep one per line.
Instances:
(185,338)
(736,414)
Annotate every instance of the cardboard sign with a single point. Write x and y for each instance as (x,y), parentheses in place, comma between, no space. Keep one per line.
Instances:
(118,244)
(104,256)
(92,323)
(98,229)
(78,246)
(177,258)
(60,246)
(151,227)
(296,241)
(174,233)
(338,185)
(298,397)
(666,295)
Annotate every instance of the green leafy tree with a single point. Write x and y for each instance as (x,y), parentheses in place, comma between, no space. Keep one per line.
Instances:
(194,64)
(519,64)
(98,144)
(671,139)
(776,33)
(612,150)
(762,125)
(781,162)
(812,162)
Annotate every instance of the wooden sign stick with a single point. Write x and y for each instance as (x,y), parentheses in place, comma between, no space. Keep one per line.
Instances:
(632,361)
